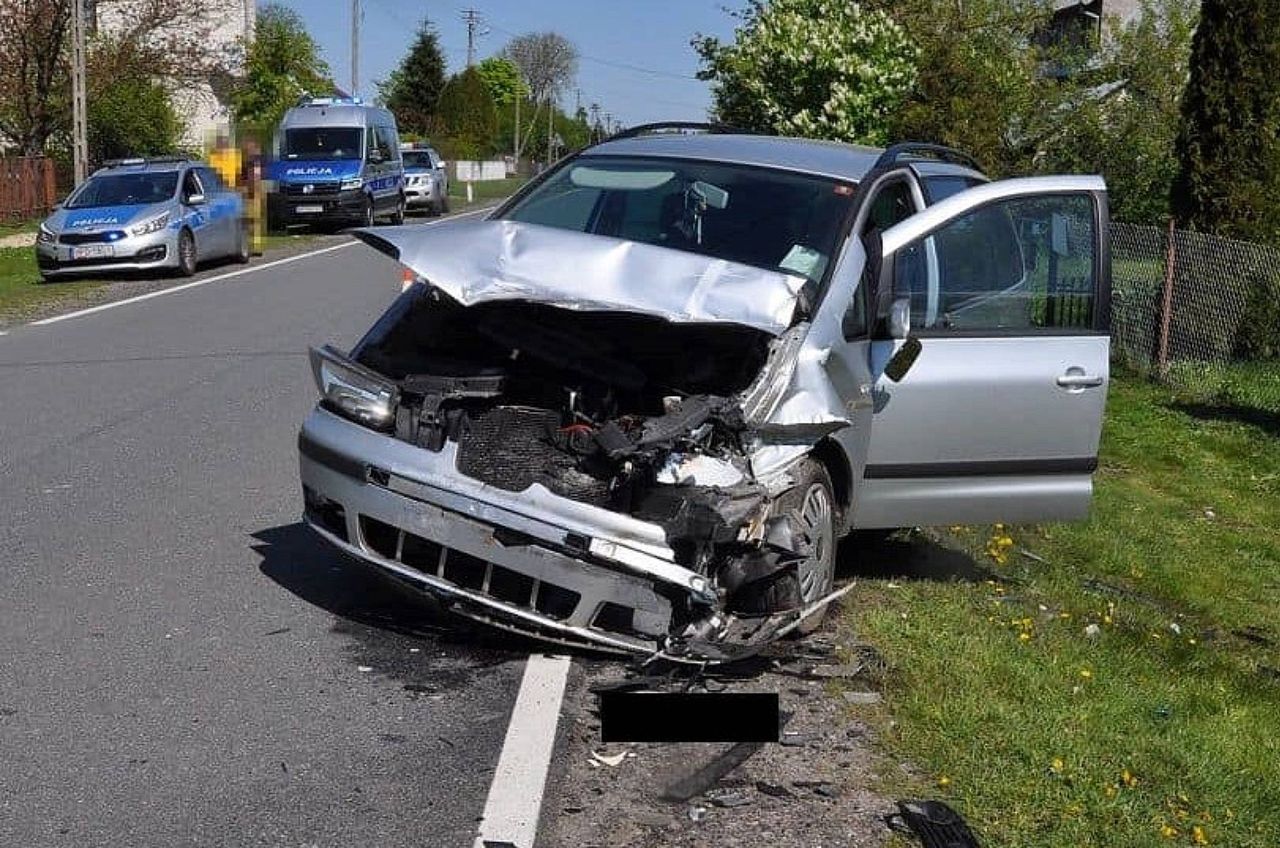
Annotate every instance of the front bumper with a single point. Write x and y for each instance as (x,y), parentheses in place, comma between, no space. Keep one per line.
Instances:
(426,194)
(132,253)
(529,561)
(342,207)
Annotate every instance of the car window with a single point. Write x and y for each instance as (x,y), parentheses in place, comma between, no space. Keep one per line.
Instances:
(191,184)
(210,180)
(939,188)
(322,143)
(892,203)
(386,140)
(776,220)
(1021,263)
(124,189)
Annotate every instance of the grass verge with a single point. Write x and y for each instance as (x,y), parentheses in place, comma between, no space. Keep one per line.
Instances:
(485,191)
(1111,683)
(20,286)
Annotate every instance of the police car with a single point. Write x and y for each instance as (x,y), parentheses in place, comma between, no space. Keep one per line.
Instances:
(142,214)
(426,182)
(337,162)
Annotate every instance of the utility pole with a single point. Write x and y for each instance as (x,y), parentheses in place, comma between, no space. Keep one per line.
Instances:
(355,48)
(518,97)
(79,117)
(474,22)
(551,111)
(596,129)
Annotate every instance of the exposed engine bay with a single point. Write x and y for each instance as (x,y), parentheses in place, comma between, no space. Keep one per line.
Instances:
(626,412)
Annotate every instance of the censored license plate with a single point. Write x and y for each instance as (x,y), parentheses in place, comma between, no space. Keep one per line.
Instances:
(309,210)
(92,251)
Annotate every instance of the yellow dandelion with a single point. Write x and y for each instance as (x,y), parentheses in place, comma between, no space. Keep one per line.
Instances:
(1086,674)
(1065,616)
(1127,778)
(1106,619)
(1110,790)
(944,781)
(1168,832)
(1198,836)
(1024,637)
(1057,764)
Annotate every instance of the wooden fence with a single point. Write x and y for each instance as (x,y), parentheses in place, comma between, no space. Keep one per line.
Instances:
(27,187)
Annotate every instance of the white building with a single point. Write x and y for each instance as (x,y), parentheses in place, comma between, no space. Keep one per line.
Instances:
(225,26)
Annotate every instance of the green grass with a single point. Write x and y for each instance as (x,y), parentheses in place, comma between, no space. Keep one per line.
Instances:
(486,190)
(1030,726)
(20,286)
(10,227)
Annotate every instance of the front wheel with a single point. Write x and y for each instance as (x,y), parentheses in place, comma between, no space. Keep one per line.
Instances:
(367,219)
(186,253)
(810,509)
(398,217)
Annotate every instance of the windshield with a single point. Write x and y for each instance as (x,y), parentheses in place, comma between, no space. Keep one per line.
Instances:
(770,219)
(124,190)
(322,143)
(417,159)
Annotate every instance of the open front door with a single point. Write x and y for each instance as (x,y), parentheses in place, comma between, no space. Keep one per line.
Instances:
(1000,416)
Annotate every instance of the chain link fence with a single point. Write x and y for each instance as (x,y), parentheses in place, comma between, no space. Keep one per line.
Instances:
(1199,312)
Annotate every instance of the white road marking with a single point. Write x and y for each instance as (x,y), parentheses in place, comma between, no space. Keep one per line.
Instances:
(515,796)
(237,273)
(204,282)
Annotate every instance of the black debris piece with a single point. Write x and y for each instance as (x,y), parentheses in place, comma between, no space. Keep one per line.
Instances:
(708,775)
(934,823)
(773,790)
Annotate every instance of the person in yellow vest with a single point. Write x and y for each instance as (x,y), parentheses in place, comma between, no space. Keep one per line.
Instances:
(255,198)
(225,159)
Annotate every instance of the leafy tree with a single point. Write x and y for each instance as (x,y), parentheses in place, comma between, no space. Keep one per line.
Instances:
(467,117)
(1229,148)
(412,91)
(502,78)
(547,61)
(1126,128)
(283,63)
(824,68)
(981,83)
(132,117)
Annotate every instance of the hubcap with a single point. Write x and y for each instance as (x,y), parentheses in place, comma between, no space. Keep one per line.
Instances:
(817,542)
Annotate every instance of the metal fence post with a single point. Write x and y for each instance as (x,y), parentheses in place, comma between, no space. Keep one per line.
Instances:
(1166,308)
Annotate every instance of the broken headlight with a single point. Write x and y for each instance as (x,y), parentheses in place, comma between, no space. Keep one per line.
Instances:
(353,391)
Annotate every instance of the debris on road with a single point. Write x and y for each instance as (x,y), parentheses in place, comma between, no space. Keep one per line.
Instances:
(934,823)
(609,760)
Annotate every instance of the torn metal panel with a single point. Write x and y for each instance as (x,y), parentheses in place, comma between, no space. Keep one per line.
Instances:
(479,261)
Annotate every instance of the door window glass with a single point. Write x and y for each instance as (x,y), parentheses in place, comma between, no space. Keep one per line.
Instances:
(210,179)
(892,203)
(191,184)
(1021,263)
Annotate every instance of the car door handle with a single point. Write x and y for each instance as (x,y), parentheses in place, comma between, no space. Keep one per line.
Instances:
(1079,381)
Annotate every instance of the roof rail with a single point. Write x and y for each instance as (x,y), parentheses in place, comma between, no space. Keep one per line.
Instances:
(148,160)
(660,126)
(921,150)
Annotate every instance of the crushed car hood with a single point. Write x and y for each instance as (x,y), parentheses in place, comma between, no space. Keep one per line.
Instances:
(478,261)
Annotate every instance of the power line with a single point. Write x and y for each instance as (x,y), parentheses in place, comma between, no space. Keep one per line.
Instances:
(626,66)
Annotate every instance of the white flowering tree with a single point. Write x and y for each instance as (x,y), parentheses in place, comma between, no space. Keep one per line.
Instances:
(821,68)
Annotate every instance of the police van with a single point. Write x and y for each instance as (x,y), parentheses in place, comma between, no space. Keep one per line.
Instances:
(337,162)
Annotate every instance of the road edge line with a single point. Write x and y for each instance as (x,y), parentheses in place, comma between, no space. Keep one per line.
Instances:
(191,285)
(102,307)
(514,803)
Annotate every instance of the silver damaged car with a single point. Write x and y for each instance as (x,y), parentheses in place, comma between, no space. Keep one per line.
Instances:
(639,404)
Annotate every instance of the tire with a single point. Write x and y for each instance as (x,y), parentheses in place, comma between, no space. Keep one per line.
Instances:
(187,256)
(397,218)
(810,508)
(368,220)
(244,247)
(444,204)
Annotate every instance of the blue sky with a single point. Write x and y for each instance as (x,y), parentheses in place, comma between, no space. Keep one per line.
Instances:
(635,57)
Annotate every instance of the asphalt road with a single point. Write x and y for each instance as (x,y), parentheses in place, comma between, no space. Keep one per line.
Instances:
(182,662)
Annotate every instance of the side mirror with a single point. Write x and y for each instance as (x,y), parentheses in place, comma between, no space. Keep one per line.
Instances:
(195,200)
(902,360)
